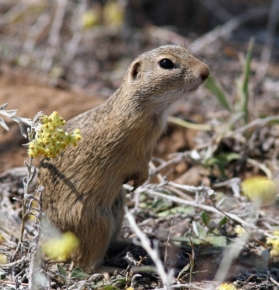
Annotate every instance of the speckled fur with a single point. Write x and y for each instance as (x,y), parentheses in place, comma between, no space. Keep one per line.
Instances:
(83,185)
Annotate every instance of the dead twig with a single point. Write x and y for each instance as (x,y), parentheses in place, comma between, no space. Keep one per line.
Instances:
(256,122)
(36,31)
(13,13)
(12,264)
(214,7)
(153,253)
(274,281)
(27,200)
(226,29)
(166,35)
(176,158)
(229,255)
(207,208)
(73,45)
(267,50)
(53,39)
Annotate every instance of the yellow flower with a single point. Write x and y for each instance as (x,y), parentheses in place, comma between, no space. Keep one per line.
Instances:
(274,242)
(113,13)
(3,259)
(260,190)
(239,230)
(226,286)
(90,19)
(61,248)
(44,119)
(51,139)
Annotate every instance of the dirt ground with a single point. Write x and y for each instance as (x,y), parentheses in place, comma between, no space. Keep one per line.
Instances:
(23,91)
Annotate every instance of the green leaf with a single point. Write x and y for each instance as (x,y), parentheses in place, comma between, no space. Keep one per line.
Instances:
(201,232)
(185,269)
(161,204)
(242,83)
(78,273)
(196,241)
(223,221)
(97,285)
(109,287)
(62,272)
(222,160)
(119,282)
(205,218)
(246,75)
(220,241)
(175,210)
(2,275)
(217,91)
(189,125)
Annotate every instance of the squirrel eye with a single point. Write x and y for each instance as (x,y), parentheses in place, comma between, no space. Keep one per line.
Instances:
(166,63)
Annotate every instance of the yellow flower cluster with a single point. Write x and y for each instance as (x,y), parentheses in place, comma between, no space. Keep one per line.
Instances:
(3,259)
(274,242)
(61,248)
(226,286)
(51,138)
(260,190)
(239,230)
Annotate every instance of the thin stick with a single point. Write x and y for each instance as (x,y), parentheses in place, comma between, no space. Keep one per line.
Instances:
(76,39)
(216,8)
(168,240)
(153,253)
(26,183)
(257,122)
(12,264)
(229,255)
(267,50)
(201,206)
(13,13)
(54,34)
(225,29)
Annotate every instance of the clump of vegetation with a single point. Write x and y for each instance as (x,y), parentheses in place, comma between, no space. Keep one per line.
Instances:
(47,138)
(50,137)
(274,243)
(11,114)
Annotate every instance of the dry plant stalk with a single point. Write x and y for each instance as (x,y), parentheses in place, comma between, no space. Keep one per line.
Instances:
(153,253)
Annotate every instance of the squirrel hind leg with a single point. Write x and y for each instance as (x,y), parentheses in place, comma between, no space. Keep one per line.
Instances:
(118,213)
(94,234)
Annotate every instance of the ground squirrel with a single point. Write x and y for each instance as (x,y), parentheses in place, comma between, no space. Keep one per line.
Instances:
(83,186)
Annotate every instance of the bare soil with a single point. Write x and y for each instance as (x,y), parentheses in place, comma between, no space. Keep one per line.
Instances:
(24,92)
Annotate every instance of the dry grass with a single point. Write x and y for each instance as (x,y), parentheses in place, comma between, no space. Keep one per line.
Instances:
(188,227)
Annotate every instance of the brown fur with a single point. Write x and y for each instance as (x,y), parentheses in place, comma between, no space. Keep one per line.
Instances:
(83,185)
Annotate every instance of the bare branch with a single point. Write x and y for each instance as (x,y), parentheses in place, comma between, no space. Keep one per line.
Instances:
(225,29)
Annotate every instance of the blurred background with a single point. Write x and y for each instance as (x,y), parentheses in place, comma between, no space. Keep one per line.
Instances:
(88,45)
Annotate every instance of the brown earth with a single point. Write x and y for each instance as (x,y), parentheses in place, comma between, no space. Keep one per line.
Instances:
(24,92)
(30,93)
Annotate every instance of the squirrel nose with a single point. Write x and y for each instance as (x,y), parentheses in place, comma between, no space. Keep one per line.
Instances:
(204,73)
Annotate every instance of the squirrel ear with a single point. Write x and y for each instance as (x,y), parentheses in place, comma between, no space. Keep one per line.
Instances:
(135,70)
